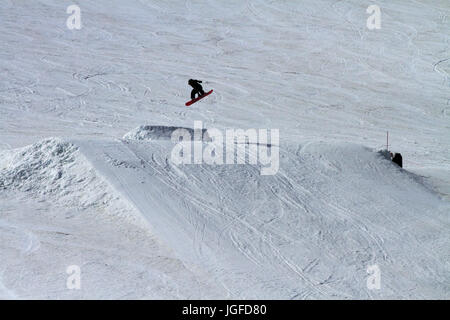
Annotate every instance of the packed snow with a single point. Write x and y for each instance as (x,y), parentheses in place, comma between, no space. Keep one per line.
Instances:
(87,176)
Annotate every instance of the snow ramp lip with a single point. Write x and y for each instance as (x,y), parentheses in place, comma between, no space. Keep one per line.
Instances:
(156,132)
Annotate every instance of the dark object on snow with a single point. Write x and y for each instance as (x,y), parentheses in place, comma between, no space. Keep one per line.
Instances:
(198,98)
(397,158)
(197,88)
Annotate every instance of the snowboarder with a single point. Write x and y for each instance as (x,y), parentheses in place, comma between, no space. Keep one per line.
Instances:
(397,158)
(197,88)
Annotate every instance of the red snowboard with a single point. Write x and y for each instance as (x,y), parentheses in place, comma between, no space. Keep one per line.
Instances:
(198,98)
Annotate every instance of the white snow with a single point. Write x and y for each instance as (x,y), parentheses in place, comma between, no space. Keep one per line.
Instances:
(105,195)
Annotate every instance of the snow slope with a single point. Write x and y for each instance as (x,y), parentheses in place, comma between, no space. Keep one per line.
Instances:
(141,227)
(309,231)
(59,212)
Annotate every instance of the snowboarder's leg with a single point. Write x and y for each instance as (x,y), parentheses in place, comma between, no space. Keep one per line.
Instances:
(193,92)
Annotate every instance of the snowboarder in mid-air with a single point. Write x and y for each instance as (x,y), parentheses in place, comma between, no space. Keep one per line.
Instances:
(197,88)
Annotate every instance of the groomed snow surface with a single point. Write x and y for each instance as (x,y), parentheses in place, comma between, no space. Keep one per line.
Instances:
(87,177)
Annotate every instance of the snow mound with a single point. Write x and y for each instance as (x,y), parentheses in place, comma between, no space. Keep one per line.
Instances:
(55,170)
(43,164)
(310,230)
(148,132)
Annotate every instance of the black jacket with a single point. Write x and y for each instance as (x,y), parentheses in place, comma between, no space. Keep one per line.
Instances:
(194,83)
